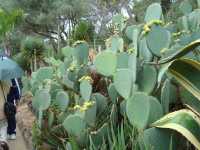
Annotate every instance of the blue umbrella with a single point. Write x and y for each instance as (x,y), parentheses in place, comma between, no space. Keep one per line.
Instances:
(9,69)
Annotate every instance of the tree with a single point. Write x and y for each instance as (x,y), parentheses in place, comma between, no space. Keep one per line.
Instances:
(7,22)
(50,19)
(84,31)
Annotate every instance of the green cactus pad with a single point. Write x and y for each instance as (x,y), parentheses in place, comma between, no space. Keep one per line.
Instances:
(141,118)
(156,110)
(90,115)
(44,73)
(158,39)
(66,81)
(144,52)
(147,79)
(74,125)
(81,52)
(67,51)
(193,20)
(122,60)
(153,12)
(132,32)
(106,63)
(42,99)
(185,7)
(117,44)
(62,100)
(123,82)
(132,65)
(137,116)
(85,89)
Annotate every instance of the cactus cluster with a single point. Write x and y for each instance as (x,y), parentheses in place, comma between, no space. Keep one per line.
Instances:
(134,90)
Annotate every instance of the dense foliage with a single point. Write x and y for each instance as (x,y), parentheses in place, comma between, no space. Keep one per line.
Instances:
(141,92)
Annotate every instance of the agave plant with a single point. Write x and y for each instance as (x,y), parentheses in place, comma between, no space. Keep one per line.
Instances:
(148,95)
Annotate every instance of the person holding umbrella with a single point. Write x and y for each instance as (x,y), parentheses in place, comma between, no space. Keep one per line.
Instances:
(13,97)
(9,71)
(4,90)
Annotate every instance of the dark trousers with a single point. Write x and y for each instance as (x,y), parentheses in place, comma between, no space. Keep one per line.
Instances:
(11,120)
(11,129)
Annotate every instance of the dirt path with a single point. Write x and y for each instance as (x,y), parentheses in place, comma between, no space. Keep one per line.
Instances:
(19,143)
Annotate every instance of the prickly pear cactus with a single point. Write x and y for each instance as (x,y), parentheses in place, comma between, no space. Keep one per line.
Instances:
(105,63)
(116,99)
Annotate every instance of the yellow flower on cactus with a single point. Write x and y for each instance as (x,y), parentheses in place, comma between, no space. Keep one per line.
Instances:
(146,28)
(72,67)
(156,22)
(130,50)
(82,109)
(88,78)
(78,42)
(85,106)
(89,104)
(77,107)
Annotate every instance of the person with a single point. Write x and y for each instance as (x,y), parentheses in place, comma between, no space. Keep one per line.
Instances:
(4,90)
(4,145)
(13,97)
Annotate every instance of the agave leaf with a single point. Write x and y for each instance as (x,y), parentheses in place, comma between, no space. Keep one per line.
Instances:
(112,93)
(190,101)
(183,121)
(186,72)
(123,108)
(50,119)
(101,102)
(73,144)
(188,48)
(100,134)
(162,72)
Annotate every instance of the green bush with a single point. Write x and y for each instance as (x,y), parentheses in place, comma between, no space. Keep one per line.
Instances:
(122,99)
